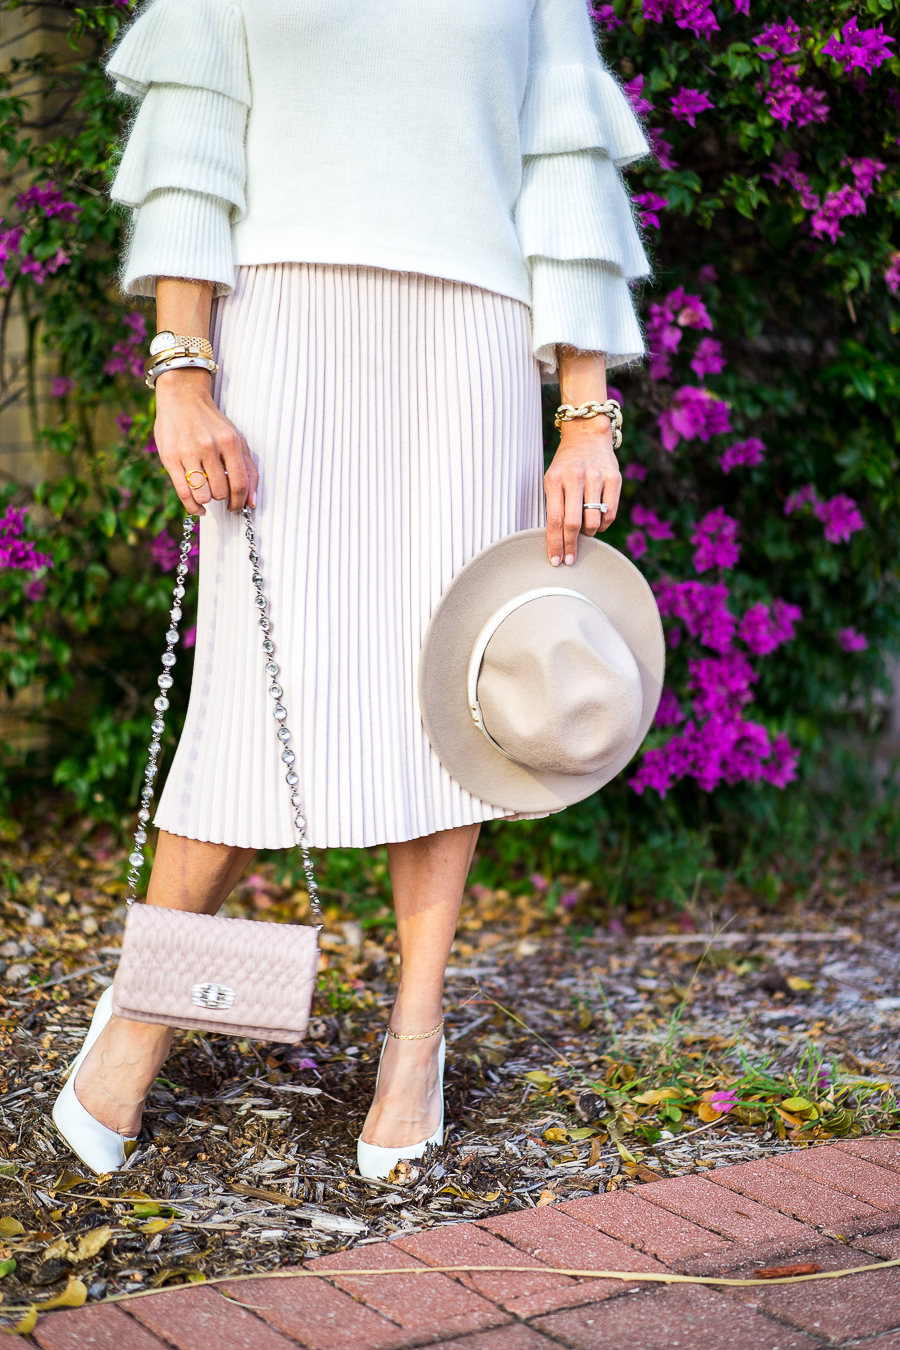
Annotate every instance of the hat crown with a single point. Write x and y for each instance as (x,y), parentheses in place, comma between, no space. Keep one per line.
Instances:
(559,688)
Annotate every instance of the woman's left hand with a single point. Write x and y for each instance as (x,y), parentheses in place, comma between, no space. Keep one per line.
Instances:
(584,469)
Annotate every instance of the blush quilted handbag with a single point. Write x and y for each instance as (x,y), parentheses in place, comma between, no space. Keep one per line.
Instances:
(237,976)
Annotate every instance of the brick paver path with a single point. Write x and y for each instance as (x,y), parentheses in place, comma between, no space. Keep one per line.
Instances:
(837,1205)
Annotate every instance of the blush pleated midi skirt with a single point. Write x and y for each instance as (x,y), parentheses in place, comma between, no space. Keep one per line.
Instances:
(395,421)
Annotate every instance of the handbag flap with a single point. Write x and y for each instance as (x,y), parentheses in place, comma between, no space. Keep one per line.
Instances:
(241,976)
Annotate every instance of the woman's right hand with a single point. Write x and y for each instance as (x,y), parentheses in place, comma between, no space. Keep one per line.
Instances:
(192,434)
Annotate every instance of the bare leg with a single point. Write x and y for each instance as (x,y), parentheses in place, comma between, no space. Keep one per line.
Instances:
(115,1078)
(428,876)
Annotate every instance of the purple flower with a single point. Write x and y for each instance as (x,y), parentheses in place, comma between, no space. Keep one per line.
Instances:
(726,748)
(40,271)
(693,413)
(637,471)
(852,640)
(61,386)
(724,1102)
(764,629)
(540,883)
(802,497)
(665,322)
(689,103)
(124,423)
(892,273)
(716,539)
(866,173)
(693,14)
(636,543)
(649,204)
(779,39)
(634,94)
(787,101)
(662,149)
(867,49)
(190,634)
(701,607)
(606,15)
(164,551)
(847,201)
(840,516)
(721,683)
(788,172)
(569,899)
(650,521)
(742,6)
(18,554)
(35,590)
(707,275)
(47,197)
(781,766)
(126,358)
(749,452)
(669,713)
(708,358)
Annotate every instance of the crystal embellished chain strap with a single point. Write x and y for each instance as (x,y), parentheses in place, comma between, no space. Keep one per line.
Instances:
(161,704)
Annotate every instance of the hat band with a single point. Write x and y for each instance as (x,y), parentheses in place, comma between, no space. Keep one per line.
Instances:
(484,638)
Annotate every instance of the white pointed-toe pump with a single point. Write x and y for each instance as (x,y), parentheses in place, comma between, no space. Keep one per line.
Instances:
(100,1149)
(375,1162)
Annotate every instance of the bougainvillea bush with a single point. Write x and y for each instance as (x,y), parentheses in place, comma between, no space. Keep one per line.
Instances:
(760,454)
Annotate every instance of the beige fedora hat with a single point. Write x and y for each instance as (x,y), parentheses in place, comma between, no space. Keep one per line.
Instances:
(538,684)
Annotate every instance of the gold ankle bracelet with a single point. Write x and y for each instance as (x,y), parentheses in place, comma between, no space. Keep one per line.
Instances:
(422,1036)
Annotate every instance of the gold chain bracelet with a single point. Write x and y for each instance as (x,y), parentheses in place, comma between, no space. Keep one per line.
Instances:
(612,409)
(422,1036)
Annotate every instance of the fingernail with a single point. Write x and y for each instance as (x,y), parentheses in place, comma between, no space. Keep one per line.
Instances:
(570,558)
(554,562)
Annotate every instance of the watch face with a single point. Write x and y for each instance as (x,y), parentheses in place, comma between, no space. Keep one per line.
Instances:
(161,342)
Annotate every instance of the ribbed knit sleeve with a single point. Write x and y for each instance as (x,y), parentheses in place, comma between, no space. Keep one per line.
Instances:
(574,220)
(183,170)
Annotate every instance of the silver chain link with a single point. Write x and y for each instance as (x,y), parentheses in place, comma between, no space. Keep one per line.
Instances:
(161,704)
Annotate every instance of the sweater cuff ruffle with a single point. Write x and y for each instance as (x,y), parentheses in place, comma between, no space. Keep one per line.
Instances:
(579,107)
(179,234)
(586,305)
(200,44)
(575,206)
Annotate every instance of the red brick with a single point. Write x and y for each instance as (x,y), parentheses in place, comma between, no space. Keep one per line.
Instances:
(424,1304)
(889,1342)
(515,1337)
(467,1244)
(682,1317)
(881,1149)
(320,1316)
(201,1319)
(810,1202)
(668,1237)
(742,1220)
(97,1328)
(854,1176)
(885,1245)
(561,1241)
(835,1310)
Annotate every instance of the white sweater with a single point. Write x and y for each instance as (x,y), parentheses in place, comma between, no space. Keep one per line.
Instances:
(477,140)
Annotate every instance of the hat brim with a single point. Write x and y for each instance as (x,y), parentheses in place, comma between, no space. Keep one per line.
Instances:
(495,575)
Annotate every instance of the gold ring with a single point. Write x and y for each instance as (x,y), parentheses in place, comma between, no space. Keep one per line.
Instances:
(195,486)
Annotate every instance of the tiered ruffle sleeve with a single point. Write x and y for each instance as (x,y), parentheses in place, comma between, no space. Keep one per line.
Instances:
(183,170)
(573,216)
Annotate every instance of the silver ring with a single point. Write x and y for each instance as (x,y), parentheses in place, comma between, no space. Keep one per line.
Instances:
(595,506)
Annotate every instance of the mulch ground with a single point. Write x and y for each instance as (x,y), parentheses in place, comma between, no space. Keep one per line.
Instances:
(581,1061)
